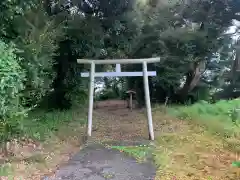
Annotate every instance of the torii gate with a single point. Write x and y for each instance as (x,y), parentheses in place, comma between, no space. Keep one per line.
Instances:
(145,73)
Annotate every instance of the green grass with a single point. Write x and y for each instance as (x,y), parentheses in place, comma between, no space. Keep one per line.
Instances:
(140,153)
(221,118)
(5,170)
(40,125)
(187,146)
(236,164)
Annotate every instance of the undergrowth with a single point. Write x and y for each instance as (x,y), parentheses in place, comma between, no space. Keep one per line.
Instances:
(221,118)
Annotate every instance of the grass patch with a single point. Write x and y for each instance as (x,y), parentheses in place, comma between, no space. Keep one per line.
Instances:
(140,153)
(5,170)
(221,119)
(205,145)
(41,125)
(193,154)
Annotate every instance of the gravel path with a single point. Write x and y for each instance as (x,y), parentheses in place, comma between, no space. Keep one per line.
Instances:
(96,162)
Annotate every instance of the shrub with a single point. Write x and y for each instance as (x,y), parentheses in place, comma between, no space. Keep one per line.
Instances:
(11,84)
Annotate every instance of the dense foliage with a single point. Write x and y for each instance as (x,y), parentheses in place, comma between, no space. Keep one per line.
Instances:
(11,85)
(38,37)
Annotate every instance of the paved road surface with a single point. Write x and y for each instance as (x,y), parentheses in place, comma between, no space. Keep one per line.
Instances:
(98,163)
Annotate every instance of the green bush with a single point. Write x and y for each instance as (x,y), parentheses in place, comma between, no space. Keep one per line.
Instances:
(11,84)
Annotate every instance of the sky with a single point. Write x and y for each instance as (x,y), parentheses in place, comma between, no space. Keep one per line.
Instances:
(233,28)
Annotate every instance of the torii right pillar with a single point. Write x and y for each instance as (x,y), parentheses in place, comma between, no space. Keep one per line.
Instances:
(147,100)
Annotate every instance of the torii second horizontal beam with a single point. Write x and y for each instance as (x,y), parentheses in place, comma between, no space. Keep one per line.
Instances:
(119,61)
(119,74)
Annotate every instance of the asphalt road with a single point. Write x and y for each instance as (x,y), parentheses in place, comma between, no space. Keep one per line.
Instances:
(96,162)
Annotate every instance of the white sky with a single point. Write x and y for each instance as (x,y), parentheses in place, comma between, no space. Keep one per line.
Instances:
(232,29)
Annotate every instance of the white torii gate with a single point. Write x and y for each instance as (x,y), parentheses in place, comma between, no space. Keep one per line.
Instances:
(145,73)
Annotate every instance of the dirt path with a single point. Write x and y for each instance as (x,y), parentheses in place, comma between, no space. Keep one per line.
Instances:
(113,121)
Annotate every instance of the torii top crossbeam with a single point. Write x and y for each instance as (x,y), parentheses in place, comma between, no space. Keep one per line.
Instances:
(119,61)
(118,72)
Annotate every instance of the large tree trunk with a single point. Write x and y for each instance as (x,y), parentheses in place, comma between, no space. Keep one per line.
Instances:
(48,7)
(192,79)
(236,65)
